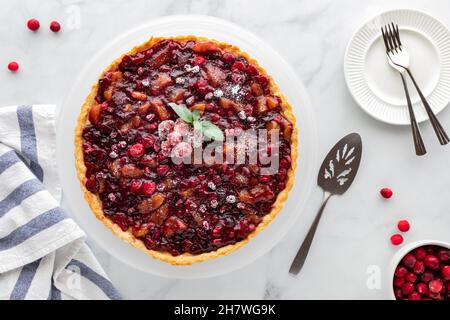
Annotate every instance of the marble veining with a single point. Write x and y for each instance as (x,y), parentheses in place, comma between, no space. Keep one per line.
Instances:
(353,237)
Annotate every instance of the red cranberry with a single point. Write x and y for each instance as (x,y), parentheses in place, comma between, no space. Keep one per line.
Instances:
(398,293)
(400,271)
(121,220)
(262,79)
(409,260)
(386,193)
(148,188)
(228,57)
(13,66)
(427,276)
(238,66)
(198,60)
(136,150)
(444,254)
(135,185)
(414,296)
(446,272)
(148,141)
(251,70)
(419,267)
(420,253)
(162,170)
(407,288)
(55,26)
(33,24)
(435,286)
(396,239)
(91,184)
(431,262)
(399,282)
(265,179)
(403,225)
(410,277)
(422,288)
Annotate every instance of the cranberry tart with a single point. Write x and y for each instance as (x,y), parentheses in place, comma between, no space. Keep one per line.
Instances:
(181,213)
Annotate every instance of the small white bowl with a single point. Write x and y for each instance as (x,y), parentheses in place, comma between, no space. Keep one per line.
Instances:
(402,252)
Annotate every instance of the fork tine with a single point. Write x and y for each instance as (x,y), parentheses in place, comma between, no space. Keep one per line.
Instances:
(393,38)
(397,33)
(386,44)
(389,38)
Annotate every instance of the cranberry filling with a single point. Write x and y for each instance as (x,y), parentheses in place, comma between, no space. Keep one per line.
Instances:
(176,207)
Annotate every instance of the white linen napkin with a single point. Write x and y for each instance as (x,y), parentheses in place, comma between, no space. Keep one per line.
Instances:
(43,254)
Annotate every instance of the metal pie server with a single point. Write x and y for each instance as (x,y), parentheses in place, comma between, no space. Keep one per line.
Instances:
(336,174)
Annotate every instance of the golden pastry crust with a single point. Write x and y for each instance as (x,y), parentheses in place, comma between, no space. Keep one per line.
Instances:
(96,205)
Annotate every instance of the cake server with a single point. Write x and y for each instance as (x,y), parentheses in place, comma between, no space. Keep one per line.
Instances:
(335,176)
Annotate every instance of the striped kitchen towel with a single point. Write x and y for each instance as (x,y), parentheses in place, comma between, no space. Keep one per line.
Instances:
(43,254)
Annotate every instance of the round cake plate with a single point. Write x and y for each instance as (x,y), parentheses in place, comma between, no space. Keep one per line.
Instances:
(377,88)
(275,66)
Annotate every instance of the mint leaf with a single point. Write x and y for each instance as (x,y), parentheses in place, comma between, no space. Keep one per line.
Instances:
(195,116)
(212,131)
(182,111)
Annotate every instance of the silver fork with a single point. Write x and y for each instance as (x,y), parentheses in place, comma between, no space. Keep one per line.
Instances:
(401,58)
(398,58)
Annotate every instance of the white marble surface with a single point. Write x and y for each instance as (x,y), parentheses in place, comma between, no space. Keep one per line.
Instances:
(312,36)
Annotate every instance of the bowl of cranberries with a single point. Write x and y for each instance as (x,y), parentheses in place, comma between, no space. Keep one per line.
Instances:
(421,271)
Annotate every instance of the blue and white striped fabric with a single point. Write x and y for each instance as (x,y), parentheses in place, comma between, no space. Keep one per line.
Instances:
(43,254)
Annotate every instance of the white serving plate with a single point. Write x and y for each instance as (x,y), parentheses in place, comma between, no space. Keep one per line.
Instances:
(275,66)
(377,88)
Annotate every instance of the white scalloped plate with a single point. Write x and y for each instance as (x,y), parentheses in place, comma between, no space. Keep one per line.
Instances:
(275,66)
(377,88)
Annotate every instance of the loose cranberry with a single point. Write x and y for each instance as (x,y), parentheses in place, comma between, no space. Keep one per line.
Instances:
(446,272)
(396,239)
(420,253)
(136,150)
(414,296)
(435,286)
(407,288)
(419,267)
(33,24)
(148,188)
(431,262)
(55,26)
(13,66)
(427,276)
(386,193)
(410,277)
(409,260)
(198,60)
(400,271)
(403,225)
(422,288)
(399,282)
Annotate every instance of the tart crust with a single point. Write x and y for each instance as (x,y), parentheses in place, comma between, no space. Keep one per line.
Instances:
(95,203)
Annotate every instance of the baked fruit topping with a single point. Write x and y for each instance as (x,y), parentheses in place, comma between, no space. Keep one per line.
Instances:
(131,132)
